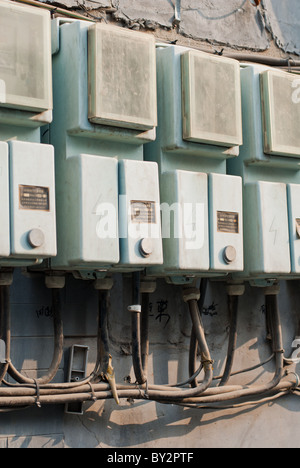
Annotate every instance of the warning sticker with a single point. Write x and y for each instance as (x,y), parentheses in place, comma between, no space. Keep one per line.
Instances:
(143,212)
(228,222)
(34,198)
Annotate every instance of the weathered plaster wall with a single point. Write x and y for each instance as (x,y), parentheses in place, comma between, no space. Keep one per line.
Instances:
(283,21)
(234,23)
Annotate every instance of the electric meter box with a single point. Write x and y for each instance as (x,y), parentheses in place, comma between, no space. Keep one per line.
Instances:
(197,93)
(200,127)
(122,78)
(105,101)
(271,119)
(139,214)
(87,213)
(25,58)
(269,166)
(108,92)
(266,229)
(32,203)
(202,219)
(4,202)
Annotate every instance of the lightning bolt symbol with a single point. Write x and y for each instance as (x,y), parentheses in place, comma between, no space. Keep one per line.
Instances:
(272,229)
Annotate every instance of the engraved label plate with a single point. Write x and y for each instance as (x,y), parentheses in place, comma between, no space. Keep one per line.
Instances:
(34,198)
(228,222)
(143,212)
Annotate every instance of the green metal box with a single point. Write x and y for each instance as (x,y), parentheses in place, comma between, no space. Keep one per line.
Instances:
(32,207)
(87,213)
(139,214)
(267,249)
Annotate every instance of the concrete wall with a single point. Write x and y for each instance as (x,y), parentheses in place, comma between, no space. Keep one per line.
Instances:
(272,28)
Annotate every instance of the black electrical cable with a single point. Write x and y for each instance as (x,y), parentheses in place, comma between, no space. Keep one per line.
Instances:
(248,391)
(176,394)
(103,336)
(193,352)
(29,394)
(248,369)
(58,346)
(5,328)
(202,395)
(103,351)
(233,302)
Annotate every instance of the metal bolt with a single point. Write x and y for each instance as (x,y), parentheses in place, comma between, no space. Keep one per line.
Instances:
(229,254)
(146,247)
(36,238)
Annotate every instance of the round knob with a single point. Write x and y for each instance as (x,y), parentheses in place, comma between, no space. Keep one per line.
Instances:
(36,238)
(145,247)
(229,254)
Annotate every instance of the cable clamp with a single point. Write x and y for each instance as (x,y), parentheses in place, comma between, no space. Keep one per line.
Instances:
(191,294)
(137,308)
(297,384)
(207,363)
(37,401)
(93,395)
(144,393)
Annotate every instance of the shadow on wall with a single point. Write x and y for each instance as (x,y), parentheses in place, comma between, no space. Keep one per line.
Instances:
(175,427)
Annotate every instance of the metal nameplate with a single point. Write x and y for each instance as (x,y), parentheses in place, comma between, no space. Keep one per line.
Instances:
(228,221)
(34,198)
(143,212)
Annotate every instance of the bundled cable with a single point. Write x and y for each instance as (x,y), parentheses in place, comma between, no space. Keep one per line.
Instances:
(204,395)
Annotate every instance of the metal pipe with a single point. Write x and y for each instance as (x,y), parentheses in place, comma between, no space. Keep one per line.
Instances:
(136,310)
(145,332)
